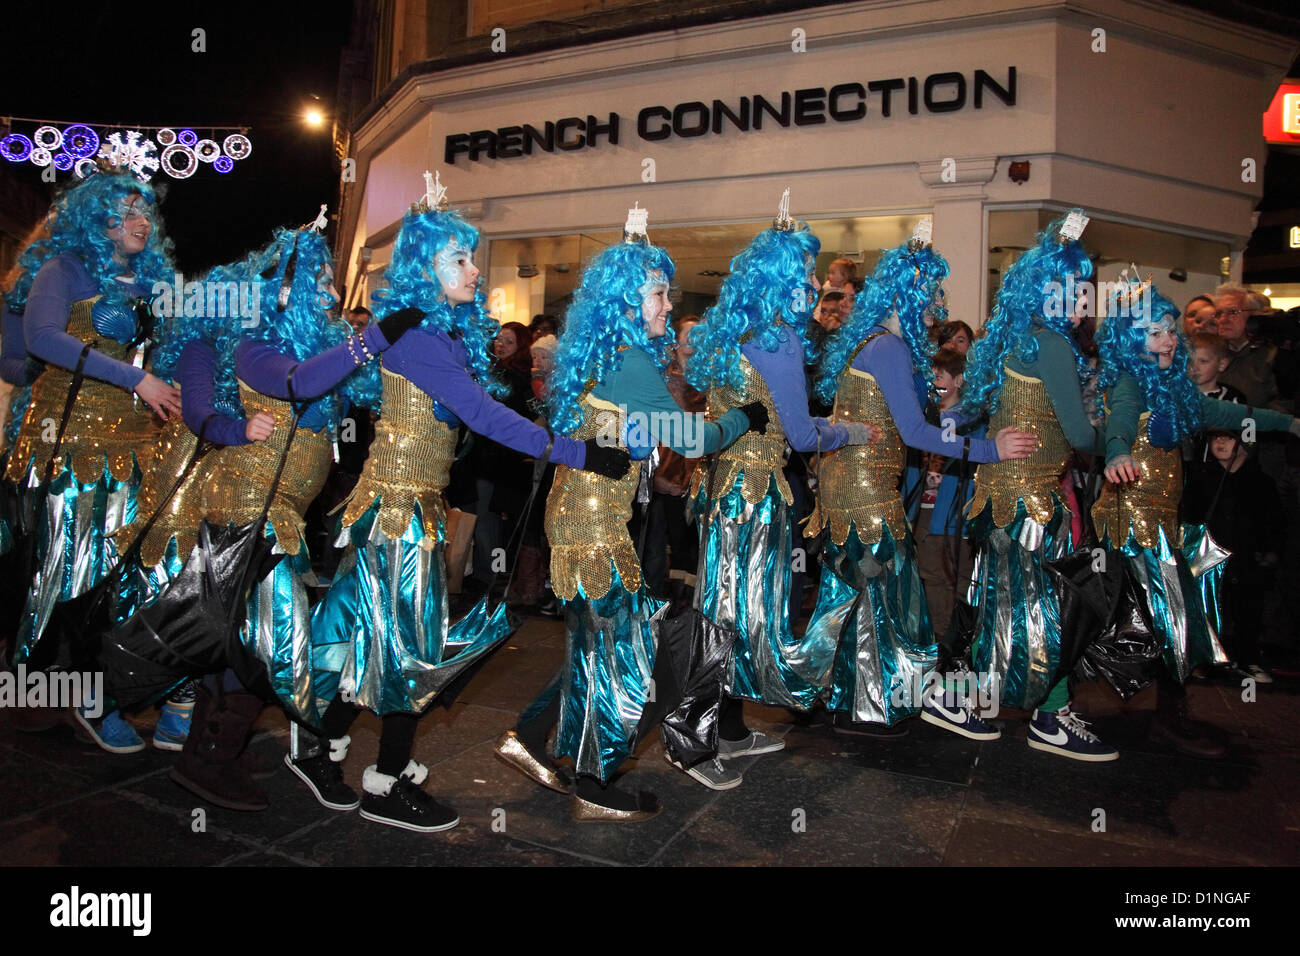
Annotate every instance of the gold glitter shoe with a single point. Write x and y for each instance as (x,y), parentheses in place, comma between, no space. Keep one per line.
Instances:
(584,811)
(512,750)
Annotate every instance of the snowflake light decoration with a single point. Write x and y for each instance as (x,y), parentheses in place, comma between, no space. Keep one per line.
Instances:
(132,150)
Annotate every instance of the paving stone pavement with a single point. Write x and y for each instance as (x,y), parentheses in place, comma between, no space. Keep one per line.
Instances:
(928,798)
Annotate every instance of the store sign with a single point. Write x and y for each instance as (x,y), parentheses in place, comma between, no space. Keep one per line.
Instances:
(1294,238)
(1282,118)
(843,103)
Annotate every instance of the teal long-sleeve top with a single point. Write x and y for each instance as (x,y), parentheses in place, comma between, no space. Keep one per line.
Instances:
(655,418)
(1122,417)
(1055,366)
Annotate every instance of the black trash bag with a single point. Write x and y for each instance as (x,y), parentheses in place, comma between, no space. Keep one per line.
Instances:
(1088,596)
(955,647)
(1127,654)
(690,667)
(193,628)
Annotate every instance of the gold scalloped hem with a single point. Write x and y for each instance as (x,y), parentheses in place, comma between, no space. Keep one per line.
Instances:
(753,488)
(395,515)
(1040,506)
(289,527)
(591,569)
(153,550)
(873,520)
(1141,529)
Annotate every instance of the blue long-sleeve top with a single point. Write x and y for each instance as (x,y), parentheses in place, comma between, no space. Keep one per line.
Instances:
(640,388)
(783,372)
(889,361)
(14,365)
(198,375)
(438,365)
(264,367)
(62,281)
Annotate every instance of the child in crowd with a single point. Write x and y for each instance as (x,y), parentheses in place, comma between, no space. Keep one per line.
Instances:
(1231,496)
(1209,359)
(931,489)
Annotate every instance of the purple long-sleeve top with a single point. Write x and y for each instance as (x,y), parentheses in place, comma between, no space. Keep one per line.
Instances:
(887,359)
(14,367)
(783,372)
(62,281)
(198,375)
(437,364)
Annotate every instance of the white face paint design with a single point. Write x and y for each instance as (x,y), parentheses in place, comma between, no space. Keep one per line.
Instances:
(456,273)
(1162,341)
(654,304)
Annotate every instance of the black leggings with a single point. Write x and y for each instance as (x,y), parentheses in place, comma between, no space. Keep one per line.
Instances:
(396,741)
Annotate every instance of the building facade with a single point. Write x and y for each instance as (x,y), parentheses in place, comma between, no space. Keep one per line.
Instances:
(990,115)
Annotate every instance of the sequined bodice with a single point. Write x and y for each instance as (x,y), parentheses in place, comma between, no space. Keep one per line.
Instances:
(108,428)
(1034,480)
(1148,505)
(758,457)
(858,484)
(240,480)
(587,516)
(182,513)
(409,462)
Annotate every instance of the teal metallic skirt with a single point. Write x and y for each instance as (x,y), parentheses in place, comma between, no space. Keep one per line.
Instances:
(382,629)
(610,653)
(746,585)
(871,629)
(74,545)
(1017,643)
(1178,598)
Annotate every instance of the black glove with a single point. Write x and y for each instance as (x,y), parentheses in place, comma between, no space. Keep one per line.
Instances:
(394,326)
(610,461)
(756,412)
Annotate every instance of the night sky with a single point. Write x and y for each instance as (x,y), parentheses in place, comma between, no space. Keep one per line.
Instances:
(84,63)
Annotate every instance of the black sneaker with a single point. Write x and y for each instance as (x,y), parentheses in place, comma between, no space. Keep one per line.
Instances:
(398,802)
(324,778)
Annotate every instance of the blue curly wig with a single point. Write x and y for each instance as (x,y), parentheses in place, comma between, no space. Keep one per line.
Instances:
(605,315)
(894,287)
(83,214)
(305,326)
(412,283)
(1169,392)
(767,288)
(1026,294)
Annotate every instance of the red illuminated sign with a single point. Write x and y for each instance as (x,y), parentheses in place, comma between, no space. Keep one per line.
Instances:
(1282,119)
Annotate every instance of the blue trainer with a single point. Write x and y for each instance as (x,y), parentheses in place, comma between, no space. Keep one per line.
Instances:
(110,732)
(173,725)
(1065,734)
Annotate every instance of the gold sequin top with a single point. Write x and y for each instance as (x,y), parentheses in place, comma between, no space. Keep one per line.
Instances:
(241,476)
(858,484)
(757,457)
(1034,480)
(172,452)
(410,460)
(586,520)
(1145,506)
(108,428)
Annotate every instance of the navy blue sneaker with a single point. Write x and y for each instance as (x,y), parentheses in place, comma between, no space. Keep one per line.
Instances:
(961,721)
(1065,734)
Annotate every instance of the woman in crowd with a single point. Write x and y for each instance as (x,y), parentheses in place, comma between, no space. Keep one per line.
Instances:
(1027,372)
(875,653)
(87,308)
(1144,360)
(608,381)
(385,617)
(750,350)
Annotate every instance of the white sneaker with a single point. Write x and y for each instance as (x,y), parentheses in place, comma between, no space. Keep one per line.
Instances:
(1260,675)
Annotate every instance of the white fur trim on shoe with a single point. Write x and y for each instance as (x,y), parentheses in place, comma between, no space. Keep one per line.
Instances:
(372,781)
(417,773)
(339,749)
